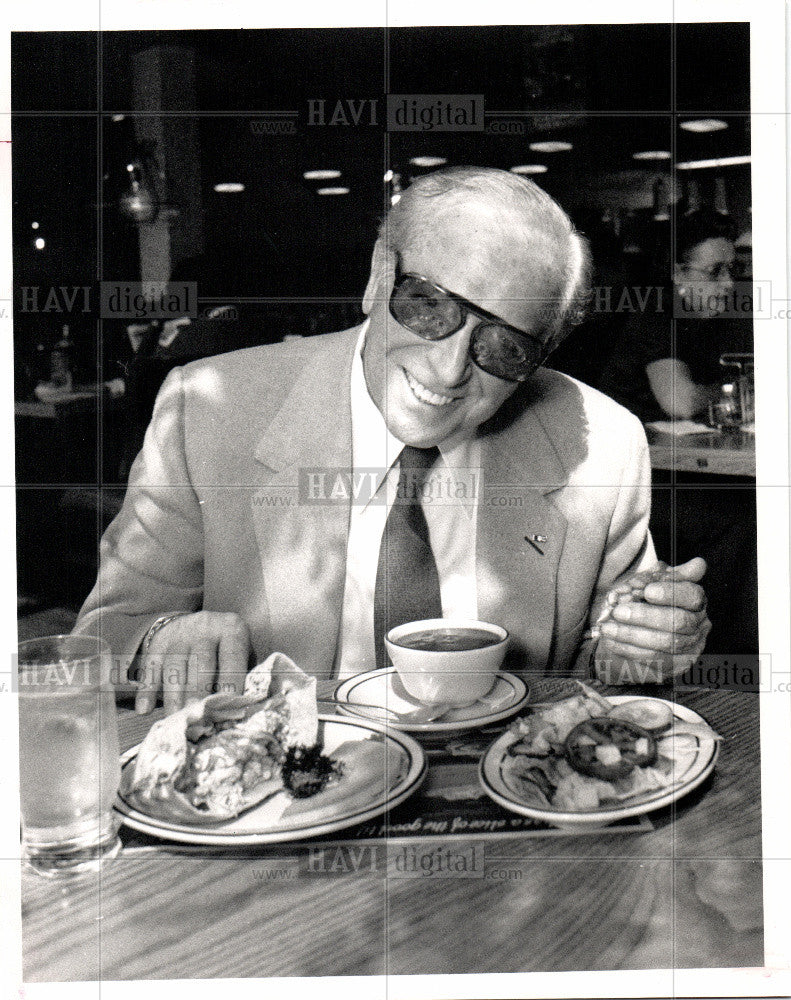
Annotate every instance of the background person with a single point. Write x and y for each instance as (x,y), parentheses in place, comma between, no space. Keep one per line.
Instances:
(666,362)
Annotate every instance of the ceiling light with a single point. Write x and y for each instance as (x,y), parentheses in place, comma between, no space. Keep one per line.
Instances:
(550,147)
(703,125)
(652,154)
(118,118)
(229,187)
(388,176)
(321,175)
(529,168)
(40,244)
(333,190)
(394,199)
(428,161)
(723,161)
(34,225)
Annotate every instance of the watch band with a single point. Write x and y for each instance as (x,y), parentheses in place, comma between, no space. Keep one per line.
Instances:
(158,624)
(592,675)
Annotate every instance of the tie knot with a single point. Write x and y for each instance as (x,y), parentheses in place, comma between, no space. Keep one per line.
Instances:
(418,459)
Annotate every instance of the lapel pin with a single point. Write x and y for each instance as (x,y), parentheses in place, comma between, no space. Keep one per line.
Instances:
(533,539)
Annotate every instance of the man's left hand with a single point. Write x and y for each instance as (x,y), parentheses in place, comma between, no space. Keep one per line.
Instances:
(658,638)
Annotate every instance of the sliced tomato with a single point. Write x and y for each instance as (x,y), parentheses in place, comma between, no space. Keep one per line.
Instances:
(609,748)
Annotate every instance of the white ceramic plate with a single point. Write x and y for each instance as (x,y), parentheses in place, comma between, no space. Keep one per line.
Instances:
(262,824)
(382,687)
(697,770)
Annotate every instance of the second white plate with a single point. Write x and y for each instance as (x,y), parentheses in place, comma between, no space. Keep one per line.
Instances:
(696,770)
(375,688)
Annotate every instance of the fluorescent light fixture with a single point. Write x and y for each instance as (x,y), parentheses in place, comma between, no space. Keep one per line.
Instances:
(40,244)
(34,225)
(229,187)
(321,175)
(333,190)
(428,161)
(118,118)
(529,168)
(703,125)
(550,147)
(723,161)
(652,154)
(388,176)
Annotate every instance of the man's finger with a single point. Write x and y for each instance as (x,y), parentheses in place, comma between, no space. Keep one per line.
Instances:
(694,570)
(174,680)
(201,671)
(149,680)
(232,655)
(648,639)
(659,617)
(690,596)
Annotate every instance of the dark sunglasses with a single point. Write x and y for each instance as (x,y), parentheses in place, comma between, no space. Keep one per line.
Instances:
(434,313)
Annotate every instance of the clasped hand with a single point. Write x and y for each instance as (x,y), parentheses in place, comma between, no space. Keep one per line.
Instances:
(658,638)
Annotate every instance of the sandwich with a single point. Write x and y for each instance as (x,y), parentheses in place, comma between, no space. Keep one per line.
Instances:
(215,758)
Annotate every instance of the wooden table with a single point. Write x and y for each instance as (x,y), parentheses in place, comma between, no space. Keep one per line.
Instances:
(720,453)
(685,894)
(54,408)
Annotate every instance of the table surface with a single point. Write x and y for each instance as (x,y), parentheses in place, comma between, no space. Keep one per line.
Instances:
(723,453)
(685,894)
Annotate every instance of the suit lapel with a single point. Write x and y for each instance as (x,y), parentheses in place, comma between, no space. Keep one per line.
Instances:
(517,580)
(302,536)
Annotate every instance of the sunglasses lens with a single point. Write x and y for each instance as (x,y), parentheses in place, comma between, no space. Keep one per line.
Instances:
(504,354)
(424,309)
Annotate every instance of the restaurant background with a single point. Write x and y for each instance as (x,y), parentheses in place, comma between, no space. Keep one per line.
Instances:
(284,259)
(187,156)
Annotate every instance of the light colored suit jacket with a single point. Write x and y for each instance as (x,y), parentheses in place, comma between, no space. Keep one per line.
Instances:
(214,519)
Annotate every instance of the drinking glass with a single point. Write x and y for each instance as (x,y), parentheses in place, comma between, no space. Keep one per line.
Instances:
(68,754)
(725,411)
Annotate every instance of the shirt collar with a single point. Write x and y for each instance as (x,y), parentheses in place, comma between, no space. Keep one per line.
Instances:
(375,447)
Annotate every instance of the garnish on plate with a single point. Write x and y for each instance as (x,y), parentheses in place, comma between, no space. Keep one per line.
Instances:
(307,770)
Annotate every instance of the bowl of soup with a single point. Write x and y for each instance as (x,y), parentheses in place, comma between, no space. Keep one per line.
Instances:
(445,660)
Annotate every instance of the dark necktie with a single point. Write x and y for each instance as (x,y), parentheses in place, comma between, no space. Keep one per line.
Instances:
(407,581)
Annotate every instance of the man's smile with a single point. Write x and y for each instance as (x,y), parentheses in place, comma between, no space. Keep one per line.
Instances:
(425,395)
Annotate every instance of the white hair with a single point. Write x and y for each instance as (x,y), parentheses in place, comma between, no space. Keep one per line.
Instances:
(413,219)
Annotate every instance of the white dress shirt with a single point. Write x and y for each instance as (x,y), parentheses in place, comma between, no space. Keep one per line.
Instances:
(451,507)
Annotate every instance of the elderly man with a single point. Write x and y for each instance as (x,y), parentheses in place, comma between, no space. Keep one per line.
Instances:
(230,545)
